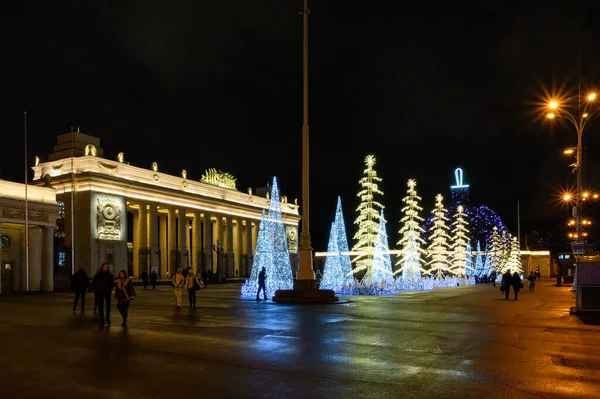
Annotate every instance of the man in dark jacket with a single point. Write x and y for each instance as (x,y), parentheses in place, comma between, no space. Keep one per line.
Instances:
(79,284)
(506,283)
(262,280)
(153,278)
(103,285)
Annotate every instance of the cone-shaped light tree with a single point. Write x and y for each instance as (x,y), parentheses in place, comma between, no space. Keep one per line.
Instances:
(495,249)
(469,260)
(367,219)
(280,277)
(382,263)
(487,266)
(263,257)
(332,273)
(438,250)
(459,241)
(342,243)
(479,265)
(411,256)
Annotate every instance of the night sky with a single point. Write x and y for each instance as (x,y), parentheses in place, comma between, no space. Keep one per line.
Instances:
(426,87)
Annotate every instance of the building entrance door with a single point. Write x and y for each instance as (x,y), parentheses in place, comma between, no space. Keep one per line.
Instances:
(6,276)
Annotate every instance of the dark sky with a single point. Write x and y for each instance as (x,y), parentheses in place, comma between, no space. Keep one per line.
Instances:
(425,86)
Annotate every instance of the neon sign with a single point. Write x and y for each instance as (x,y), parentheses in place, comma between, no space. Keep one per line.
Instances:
(458,175)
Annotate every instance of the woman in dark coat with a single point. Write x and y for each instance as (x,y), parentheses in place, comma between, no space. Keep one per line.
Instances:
(124,293)
(516,284)
(506,282)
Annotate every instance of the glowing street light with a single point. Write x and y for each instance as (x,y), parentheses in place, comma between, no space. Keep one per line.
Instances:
(578,116)
(569,151)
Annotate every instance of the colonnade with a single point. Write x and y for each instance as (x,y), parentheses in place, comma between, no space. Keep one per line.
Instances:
(166,238)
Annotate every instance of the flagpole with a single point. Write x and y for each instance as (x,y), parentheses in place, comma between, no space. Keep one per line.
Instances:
(26,209)
(72,205)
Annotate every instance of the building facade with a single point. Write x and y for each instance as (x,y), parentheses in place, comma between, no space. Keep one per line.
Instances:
(27,262)
(175,221)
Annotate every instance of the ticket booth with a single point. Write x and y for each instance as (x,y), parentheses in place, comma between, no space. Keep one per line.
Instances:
(587,284)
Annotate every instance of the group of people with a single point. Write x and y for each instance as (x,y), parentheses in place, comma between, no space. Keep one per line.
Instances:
(190,283)
(102,286)
(153,278)
(514,280)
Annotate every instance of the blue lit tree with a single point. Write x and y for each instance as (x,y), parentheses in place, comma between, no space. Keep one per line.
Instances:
(487,266)
(382,263)
(480,270)
(280,276)
(342,244)
(263,257)
(333,276)
(469,260)
(438,251)
(411,254)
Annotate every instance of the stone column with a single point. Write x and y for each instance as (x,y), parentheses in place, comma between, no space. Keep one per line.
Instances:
(48,260)
(196,242)
(181,237)
(216,238)
(35,258)
(238,239)
(207,241)
(153,238)
(164,249)
(249,247)
(1,261)
(143,244)
(229,246)
(136,242)
(172,243)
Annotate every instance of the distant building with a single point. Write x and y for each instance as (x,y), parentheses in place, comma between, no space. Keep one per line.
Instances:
(177,222)
(16,274)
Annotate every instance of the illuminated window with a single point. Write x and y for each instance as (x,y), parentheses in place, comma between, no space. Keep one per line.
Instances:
(8,266)
(567,256)
(561,257)
(62,258)
(61,212)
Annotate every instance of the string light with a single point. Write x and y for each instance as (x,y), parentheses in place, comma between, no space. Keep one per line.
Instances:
(461,257)
(411,256)
(438,250)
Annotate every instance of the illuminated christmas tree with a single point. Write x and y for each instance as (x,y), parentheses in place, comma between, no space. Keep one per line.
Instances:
(263,257)
(333,277)
(367,219)
(480,270)
(280,277)
(514,261)
(459,242)
(411,254)
(487,267)
(469,260)
(342,244)
(382,263)
(495,250)
(438,250)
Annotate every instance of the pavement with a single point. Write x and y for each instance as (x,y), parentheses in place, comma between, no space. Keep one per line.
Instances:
(464,342)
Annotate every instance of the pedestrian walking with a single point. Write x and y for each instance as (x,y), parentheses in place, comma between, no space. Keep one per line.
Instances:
(178,281)
(80,283)
(124,294)
(506,282)
(145,278)
(205,278)
(103,284)
(531,280)
(538,275)
(517,284)
(199,277)
(191,285)
(153,278)
(262,280)
(493,277)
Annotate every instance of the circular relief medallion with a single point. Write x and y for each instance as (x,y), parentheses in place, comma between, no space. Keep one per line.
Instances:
(5,241)
(184,184)
(155,177)
(109,211)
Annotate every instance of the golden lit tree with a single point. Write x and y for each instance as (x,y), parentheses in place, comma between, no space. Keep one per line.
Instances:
(367,219)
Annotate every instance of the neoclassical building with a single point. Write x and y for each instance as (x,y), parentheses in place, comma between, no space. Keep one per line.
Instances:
(175,221)
(20,272)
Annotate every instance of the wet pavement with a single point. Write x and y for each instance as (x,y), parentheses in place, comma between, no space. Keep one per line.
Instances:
(450,343)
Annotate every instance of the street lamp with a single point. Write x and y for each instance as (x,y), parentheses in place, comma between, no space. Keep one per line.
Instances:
(218,248)
(579,120)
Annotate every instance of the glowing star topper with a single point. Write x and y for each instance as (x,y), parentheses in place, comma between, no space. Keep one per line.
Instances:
(458,175)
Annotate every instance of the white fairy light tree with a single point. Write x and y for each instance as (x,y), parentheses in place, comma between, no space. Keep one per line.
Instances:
(459,242)
(438,249)
(263,257)
(494,252)
(382,279)
(411,254)
(367,219)
(338,269)
(514,262)
(480,269)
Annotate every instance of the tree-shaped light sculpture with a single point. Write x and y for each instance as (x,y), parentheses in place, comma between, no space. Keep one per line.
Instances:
(438,249)
(342,244)
(411,253)
(280,277)
(460,237)
(514,262)
(367,219)
(479,265)
(263,257)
